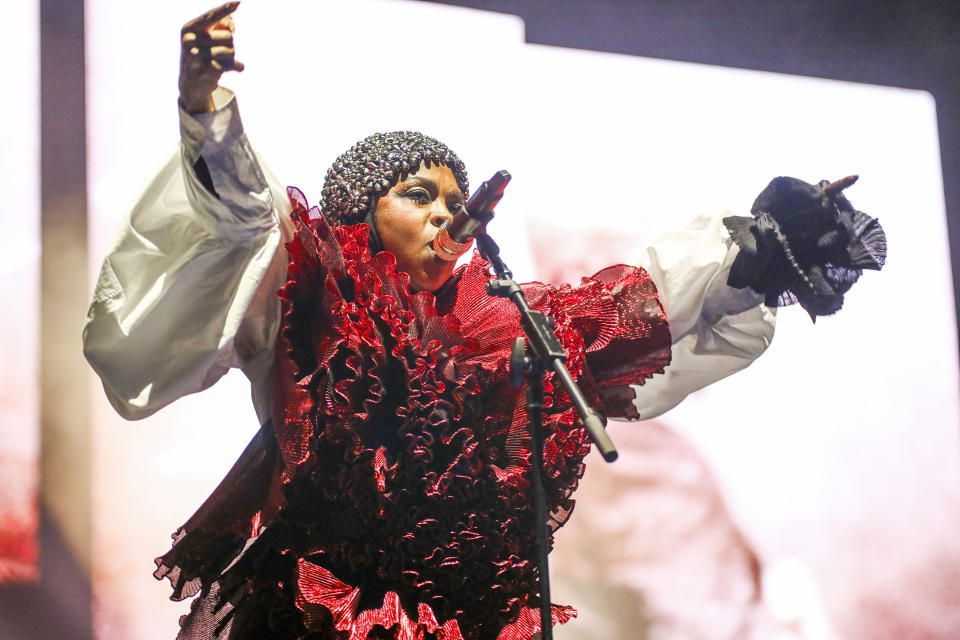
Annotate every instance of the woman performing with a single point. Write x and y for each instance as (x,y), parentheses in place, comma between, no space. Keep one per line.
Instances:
(385,495)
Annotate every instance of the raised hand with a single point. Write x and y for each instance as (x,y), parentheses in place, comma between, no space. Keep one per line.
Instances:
(206,51)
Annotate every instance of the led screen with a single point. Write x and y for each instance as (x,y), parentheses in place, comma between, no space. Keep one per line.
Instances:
(789,499)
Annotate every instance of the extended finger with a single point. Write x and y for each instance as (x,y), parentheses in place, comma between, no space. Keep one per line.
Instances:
(211,17)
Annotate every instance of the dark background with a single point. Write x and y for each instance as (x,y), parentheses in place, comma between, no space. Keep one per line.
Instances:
(912,45)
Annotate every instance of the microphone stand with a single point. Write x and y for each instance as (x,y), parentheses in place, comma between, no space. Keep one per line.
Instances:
(546,353)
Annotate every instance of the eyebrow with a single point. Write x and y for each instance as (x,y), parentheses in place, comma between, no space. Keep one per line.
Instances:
(424,182)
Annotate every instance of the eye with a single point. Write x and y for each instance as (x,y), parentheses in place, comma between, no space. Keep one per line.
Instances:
(418,195)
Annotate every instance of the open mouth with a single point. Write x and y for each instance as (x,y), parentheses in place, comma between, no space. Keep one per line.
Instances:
(433,252)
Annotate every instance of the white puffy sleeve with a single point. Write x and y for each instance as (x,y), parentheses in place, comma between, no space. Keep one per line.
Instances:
(187,289)
(716,330)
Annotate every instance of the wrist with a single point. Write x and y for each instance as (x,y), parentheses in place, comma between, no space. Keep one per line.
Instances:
(197,104)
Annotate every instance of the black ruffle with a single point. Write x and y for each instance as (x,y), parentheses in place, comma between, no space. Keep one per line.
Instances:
(804,246)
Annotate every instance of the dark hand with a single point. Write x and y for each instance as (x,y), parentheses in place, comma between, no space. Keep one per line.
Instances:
(206,52)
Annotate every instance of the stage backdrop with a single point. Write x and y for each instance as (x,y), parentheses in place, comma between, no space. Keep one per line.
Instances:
(20,291)
(812,496)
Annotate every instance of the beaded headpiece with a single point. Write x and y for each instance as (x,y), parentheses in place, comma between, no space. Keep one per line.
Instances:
(369,168)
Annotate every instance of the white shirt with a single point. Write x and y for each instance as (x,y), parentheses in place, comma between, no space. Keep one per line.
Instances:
(188,287)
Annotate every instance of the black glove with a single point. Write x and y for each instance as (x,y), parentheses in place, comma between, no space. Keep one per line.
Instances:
(804,245)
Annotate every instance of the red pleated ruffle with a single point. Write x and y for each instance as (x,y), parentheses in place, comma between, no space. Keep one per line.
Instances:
(402,450)
(322,595)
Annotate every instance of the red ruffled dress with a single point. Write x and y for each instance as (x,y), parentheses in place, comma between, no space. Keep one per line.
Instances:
(388,498)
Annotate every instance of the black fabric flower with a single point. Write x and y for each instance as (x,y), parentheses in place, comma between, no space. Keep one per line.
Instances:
(804,246)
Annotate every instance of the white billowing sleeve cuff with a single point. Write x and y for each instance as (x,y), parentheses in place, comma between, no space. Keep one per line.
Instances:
(244,203)
(187,288)
(716,330)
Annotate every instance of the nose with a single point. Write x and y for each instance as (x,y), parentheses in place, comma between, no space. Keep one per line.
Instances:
(439,214)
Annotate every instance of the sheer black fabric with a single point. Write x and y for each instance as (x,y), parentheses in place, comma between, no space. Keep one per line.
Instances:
(804,246)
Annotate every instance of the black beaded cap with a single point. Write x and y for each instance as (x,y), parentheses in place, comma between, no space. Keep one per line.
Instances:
(369,168)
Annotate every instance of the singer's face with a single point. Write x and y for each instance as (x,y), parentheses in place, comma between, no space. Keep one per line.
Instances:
(408,218)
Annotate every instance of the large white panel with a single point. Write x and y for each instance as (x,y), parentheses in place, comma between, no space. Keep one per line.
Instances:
(20,291)
(836,450)
(840,445)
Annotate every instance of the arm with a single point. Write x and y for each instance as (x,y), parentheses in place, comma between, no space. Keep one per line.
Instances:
(187,288)
(721,278)
(185,291)
(716,330)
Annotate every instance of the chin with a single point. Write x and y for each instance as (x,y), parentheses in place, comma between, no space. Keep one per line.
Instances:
(429,283)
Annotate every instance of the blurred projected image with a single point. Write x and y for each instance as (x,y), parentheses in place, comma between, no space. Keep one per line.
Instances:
(20,286)
(379,486)
(19,425)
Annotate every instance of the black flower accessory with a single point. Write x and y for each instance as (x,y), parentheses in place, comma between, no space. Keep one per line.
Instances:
(804,244)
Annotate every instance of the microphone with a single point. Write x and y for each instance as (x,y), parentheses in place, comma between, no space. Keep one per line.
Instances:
(456,236)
